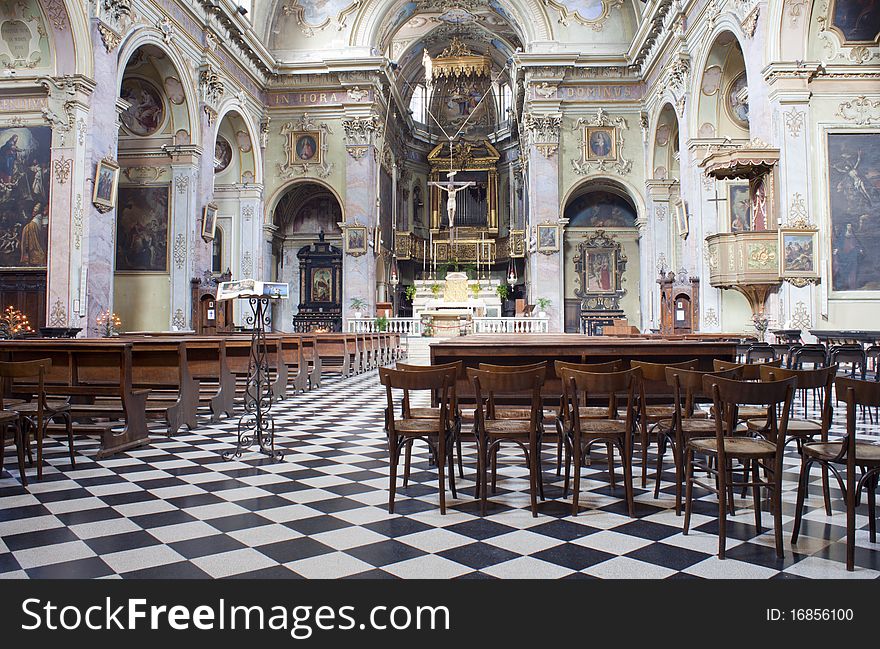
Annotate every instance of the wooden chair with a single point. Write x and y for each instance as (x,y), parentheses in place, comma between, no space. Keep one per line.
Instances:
(873,353)
(747,372)
(403,432)
(812,354)
(686,422)
(852,354)
(653,416)
(582,432)
(851,453)
(10,419)
(456,369)
(491,429)
(728,396)
(36,415)
(760,352)
(586,411)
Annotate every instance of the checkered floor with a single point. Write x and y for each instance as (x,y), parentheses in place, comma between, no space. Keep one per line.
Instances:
(176,509)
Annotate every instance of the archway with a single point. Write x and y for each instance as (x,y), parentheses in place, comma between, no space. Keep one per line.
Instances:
(596,209)
(308,257)
(153,223)
(723,105)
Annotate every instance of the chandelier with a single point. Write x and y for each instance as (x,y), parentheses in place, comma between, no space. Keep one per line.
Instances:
(458,61)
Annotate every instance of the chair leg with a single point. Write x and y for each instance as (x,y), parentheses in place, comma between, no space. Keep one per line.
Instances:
(3,446)
(481,470)
(568,459)
(644,446)
(533,476)
(19,450)
(495,469)
(407,458)
(722,506)
(756,497)
(850,522)
(395,456)
(803,480)
(576,482)
(449,454)
(777,512)
(40,431)
(441,474)
(689,488)
(609,449)
(871,486)
(626,460)
(661,452)
(458,448)
(68,420)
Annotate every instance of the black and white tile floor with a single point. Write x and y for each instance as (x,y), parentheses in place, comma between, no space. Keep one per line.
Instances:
(175,509)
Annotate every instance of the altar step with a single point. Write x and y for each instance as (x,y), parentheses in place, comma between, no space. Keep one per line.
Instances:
(418,350)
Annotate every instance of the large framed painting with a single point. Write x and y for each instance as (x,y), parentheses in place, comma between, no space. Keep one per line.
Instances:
(322,285)
(142,229)
(857,21)
(146,112)
(601,269)
(853,196)
(209,221)
(600,143)
(307,147)
(25,153)
(739,207)
(798,258)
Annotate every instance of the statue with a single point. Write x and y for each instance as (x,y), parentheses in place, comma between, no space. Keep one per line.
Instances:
(452,188)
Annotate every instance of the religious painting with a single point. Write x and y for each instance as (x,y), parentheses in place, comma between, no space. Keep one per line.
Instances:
(222,154)
(322,285)
(306,147)
(460,105)
(106,184)
(25,154)
(798,253)
(682,219)
(601,271)
(317,13)
(147,110)
(209,221)
(854,193)
(600,209)
(548,238)
(355,240)
(739,207)
(142,229)
(601,143)
(759,204)
(738,100)
(857,20)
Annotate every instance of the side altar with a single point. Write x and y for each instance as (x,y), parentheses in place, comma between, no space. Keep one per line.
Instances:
(447,307)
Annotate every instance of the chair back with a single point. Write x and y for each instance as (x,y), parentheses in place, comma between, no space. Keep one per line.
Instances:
(748,371)
(852,354)
(513,368)
(687,385)
(490,387)
(854,392)
(596,368)
(437,381)
(608,385)
(874,352)
(455,370)
(822,377)
(814,354)
(729,394)
(11,370)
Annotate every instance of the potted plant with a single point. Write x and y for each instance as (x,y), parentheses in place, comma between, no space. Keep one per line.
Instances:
(435,289)
(543,304)
(357,305)
(475,290)
(411,292)
(503,291)
(382,323)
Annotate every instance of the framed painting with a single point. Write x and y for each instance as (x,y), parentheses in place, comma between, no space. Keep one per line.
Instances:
(853,194)
(600,143)
(209,221)
(601,267)
(322,285)
(222,154)
(548,238)
(681,217)
(106,185)
(857,21)
(25,153)
(739,207)
(355,240)
(306,147)
(142,229)
(797,257)
(146,111)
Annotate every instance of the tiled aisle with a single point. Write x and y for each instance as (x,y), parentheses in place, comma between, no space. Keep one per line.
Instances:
(176,509)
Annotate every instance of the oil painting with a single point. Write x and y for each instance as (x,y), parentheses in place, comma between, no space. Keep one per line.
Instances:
(601,271)
(854,194)
(739,207)
(146,111)
(24,196)
(142,230)
(798,258)
(322,285)
(857,20)
(600,209)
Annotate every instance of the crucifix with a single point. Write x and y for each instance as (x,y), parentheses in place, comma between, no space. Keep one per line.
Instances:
(452,188)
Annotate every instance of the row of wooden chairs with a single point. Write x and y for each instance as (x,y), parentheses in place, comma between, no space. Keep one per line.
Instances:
(748,426)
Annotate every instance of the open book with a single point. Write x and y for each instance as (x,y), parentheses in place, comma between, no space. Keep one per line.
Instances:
(245,288)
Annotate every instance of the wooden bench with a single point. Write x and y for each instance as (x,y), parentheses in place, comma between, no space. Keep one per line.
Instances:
(338,352)
(160,365)
(313,360)
(293,357)
(86,370)
(238,356)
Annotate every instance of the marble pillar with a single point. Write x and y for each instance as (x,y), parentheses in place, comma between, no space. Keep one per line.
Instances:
(184,193)
(359,272)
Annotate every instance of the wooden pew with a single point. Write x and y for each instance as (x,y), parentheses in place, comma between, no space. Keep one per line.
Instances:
(338,352)
(85,370)
(293,357)
(160,365)
(313,360)
(206,357)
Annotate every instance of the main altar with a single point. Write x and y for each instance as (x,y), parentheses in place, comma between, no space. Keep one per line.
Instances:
(446,308)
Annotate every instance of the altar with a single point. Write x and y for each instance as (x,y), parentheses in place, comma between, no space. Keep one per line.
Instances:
(447,308)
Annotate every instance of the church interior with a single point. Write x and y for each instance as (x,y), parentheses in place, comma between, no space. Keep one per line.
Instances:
(444,288)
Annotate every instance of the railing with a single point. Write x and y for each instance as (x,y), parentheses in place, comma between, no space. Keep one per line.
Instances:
(403,326)
(511,325)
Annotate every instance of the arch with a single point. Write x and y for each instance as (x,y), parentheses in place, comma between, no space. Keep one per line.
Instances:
(652,161)
(725,25)
(275,198)
(150,36)
(604,182)
(527,16)
(70,36)
(233,105)
(788,34)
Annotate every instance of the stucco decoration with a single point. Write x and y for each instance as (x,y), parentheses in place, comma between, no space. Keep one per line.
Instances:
(593,13)
(312,15)
(585,165)
(297,165)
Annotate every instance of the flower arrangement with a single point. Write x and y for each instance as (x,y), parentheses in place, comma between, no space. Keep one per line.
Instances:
(435,289)
(14,324)
(410,292)
(382,323)
(108,324)
(475,290)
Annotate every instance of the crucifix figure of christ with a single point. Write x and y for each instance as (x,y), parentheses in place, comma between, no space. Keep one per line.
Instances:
(452,188)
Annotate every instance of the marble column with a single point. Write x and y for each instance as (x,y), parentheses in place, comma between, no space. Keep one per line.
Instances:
(546,270)
(361,173)
(184,194)
(102,141)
